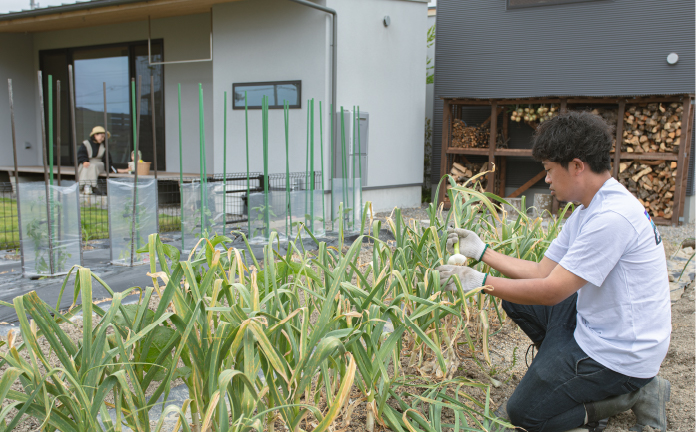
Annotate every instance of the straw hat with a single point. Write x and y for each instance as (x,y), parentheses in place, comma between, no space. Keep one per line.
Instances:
(98,130)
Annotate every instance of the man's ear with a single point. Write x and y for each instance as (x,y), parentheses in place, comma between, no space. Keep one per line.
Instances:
(578,166)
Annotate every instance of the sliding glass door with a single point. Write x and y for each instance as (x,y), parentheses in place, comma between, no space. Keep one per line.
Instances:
(114,65)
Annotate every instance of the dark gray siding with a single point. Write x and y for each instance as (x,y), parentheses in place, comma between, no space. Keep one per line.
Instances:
(690,181)
(601,48)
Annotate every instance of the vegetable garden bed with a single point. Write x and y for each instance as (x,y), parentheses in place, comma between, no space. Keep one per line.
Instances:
(299,341)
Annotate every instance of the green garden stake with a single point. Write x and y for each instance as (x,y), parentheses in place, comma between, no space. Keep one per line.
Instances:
(311,167)
(360,157)
(344,167)
(50,131)
(321,143)
(352,174)
(50,156)
(201,126)
(181,175)
(246,127)
(264,125)
(331,161)
(224,168)
(288,206)
(307,165)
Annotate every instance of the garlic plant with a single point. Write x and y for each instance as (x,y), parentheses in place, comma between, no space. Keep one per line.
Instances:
(238,333)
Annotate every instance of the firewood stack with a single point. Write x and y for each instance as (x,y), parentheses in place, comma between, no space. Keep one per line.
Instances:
(464,136)
(652,128)
(653,183)
(462,173)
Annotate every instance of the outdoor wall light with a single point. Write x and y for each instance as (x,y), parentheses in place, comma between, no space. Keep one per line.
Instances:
(386,21)
(672,58)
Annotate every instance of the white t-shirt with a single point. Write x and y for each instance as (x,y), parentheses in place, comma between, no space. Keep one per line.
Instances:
(624,312)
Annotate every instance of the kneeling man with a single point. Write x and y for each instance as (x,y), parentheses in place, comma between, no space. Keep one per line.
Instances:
(597,305)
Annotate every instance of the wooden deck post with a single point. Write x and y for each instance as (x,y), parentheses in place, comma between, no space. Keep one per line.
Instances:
(491,146)
(683,162)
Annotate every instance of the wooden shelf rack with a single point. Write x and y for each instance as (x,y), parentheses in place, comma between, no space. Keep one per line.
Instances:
(500,154)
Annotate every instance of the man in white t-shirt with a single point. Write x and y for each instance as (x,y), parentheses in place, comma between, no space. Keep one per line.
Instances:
(597,305)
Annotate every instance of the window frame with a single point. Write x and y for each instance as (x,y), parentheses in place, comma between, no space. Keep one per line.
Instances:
(274,83)
(543,3)
(130,45)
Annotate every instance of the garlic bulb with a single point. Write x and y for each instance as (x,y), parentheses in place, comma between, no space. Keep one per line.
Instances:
(457,259)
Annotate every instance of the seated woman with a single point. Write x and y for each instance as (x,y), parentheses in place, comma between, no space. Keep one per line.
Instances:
(91,159)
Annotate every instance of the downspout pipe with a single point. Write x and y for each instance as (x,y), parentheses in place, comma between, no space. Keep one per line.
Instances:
(334,52)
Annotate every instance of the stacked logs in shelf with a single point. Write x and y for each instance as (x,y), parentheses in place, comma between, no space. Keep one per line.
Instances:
(653,183)
(464,136)
(652,128)
(463,172)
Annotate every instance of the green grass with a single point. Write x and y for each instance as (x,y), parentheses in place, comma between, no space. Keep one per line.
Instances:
(9,228)
(95,223)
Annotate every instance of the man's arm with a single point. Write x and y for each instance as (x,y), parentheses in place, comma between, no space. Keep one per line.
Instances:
(548,291)
(516,268)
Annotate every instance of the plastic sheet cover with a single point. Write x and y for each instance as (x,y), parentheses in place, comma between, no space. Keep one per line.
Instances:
(198,220)
(262,223)
(306,207)
(125,241)
(44,256)
(348,192)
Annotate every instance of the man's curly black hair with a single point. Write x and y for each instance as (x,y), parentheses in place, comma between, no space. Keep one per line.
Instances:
(575,134)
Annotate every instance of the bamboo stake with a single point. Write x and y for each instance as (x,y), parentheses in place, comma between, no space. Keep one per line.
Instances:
(16,171)
(49,221)
(264,120)
(136,159)
(58,128)
(246,128)
(321,144)
(71,87)
(181,175)
(224,166)
(288,207)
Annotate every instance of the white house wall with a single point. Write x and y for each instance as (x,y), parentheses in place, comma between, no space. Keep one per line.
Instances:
(186,37)
(383,70)
(17,64)
(268,40)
